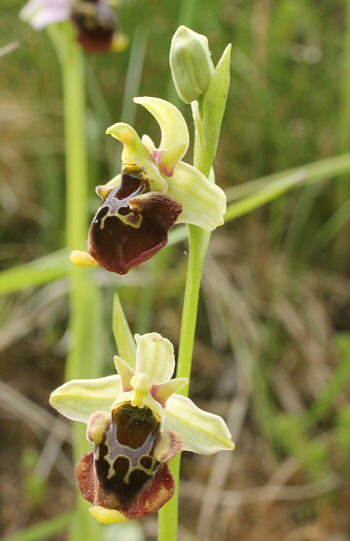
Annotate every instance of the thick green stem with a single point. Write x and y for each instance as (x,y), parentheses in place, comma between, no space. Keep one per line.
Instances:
(198,243)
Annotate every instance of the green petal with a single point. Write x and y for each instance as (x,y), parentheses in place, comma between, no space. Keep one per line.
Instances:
(125,372)
(78,399)
(154,357)
(202,432)
(203,203)
(136,152)
(172,124)
(167,160)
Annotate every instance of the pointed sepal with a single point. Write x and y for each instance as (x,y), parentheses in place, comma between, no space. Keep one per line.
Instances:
(78,399)
(202,432)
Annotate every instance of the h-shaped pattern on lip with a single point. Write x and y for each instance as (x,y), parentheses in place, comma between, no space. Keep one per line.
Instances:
(125,472)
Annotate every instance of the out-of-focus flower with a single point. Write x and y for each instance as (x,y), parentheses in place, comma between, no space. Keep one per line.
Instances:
(137,424)
(154,191)
(95,20)
(97,23)
(40,13)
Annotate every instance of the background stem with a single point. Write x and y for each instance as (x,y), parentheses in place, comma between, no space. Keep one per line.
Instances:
(84,296)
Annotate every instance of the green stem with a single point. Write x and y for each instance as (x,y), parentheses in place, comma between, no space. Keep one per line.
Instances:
(198,244)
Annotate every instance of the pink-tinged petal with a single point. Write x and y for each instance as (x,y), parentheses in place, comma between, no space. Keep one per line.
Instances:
(96,23)
(162,392)
(167,160)
(129,227)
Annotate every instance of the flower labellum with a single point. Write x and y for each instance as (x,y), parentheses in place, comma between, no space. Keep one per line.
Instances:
(96,22)
(132,220)
(154,191)
(137,424)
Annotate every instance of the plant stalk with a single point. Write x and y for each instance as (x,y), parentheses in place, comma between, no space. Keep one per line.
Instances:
(84,298)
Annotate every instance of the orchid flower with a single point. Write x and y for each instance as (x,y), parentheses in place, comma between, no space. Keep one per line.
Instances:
(95,21)
(155,190)
(137,424)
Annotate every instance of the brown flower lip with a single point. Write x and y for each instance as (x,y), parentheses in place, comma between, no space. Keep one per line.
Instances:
(131,225)
(96,23)
(122,472)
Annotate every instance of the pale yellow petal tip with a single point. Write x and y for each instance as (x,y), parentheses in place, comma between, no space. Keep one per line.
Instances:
(122,132)
(106,516)
(82,259)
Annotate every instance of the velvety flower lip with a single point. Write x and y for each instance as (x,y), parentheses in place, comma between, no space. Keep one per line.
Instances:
(137,424)
(155,190)
(131,225)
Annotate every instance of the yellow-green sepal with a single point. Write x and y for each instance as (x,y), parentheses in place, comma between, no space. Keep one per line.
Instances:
(78,399)
(201,431)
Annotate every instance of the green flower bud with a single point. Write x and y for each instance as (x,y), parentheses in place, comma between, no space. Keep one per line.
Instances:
(190,63)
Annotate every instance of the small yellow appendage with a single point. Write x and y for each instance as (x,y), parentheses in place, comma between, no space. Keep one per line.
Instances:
(82,259)
(106,516)
(141,385)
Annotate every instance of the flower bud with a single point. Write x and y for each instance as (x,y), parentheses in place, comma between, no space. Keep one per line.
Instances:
(190,63)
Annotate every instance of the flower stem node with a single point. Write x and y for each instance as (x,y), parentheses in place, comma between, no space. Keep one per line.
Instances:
(190,63)
(137,424)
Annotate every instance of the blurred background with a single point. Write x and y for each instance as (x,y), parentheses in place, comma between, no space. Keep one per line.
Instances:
(272,350)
